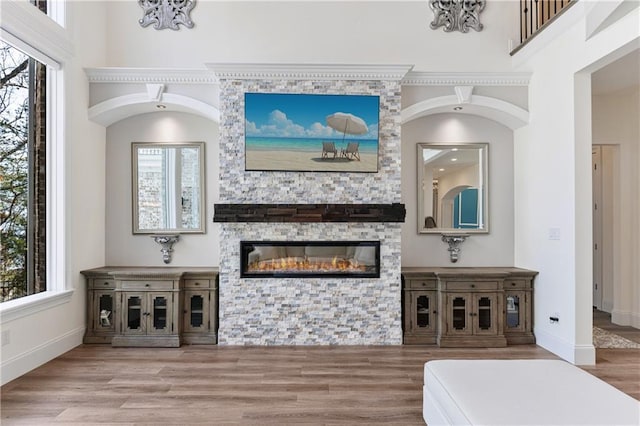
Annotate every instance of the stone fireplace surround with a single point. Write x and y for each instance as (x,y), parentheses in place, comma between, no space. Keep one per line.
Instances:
(309,311)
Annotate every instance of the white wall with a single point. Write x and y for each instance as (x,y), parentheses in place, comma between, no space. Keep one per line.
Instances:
(42,335)
(615,122)
(123,248)
(553,175)
(492,249)
(350,32)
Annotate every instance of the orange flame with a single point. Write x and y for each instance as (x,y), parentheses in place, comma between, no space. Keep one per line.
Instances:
(292,264)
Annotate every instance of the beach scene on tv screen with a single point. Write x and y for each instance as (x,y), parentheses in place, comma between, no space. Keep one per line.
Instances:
(304,132)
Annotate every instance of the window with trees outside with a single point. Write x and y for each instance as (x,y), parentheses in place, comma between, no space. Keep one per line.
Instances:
(22,173)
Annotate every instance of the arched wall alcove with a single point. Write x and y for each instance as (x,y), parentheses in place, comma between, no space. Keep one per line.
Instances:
(493,248)
(503,112)
(120,93)
(122,246)
(154,105)
(118,108)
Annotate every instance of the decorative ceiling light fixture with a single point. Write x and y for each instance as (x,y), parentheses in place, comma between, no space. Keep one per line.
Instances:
(457,15)
(166,13)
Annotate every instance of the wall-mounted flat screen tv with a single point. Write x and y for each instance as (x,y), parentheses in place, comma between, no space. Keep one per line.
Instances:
(311,133)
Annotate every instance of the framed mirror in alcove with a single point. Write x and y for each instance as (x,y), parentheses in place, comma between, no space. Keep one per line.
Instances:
(168,187)
(453,187)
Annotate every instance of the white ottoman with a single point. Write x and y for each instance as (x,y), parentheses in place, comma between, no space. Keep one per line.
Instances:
(521,392)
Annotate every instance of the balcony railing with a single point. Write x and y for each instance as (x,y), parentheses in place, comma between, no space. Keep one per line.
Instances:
(535,14)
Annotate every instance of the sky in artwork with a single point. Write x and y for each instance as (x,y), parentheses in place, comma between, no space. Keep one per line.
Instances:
(304,116)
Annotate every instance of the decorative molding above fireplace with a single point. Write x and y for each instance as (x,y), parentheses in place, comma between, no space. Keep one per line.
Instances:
(266,213)
(248,71)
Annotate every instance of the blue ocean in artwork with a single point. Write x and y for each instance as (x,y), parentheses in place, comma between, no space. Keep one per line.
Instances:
(306,144)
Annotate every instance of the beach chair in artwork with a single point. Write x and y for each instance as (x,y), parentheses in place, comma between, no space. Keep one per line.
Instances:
(329,148)
(351,152)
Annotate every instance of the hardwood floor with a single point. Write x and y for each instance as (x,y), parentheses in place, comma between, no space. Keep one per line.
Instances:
(603,320)
(98,384)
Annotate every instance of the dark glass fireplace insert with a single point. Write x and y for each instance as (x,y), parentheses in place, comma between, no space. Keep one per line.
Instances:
(317,259)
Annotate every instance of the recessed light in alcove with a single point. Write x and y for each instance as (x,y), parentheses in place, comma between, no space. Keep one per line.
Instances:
(457,108)
(160,106)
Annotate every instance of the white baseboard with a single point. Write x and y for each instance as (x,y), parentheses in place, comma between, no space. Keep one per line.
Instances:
(575,354)
(631,319)
(584,354)
(27,361)
(635,320)
(620,317)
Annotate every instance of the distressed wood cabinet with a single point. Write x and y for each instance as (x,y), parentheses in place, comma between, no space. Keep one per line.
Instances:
(200,309)
(148,306)
(101,302)
(471,305)
(420,300)
(518,307)
(476,307)
(163,307)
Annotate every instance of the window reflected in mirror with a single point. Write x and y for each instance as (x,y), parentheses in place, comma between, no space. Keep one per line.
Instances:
(452,187)
(168,193)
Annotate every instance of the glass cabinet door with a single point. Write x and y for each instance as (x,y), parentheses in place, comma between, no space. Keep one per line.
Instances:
(485,314)
(457,317)
(423,304)
(196,303)
(160,318)
(196,311)
(514,314)
(159,313)
(104,312)
(134,313)
(423,311)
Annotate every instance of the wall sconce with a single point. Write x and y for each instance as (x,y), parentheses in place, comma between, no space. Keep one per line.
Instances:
(457,15)
(166,241)
(454,241)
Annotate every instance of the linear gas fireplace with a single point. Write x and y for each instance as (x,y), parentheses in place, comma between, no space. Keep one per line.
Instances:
(318,259)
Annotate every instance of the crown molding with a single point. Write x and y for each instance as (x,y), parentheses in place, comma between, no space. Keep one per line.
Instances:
(245,71)
(149,75)
(238,71)
(414,78)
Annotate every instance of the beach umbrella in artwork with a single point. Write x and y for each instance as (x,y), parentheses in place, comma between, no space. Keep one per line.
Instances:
(347,124)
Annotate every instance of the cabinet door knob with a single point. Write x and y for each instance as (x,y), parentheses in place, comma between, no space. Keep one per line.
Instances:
(513,284)
(105,283)
(197,283)
(473,286)
(146,285)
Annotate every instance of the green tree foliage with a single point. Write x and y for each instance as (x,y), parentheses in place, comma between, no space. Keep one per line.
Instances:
(14,122)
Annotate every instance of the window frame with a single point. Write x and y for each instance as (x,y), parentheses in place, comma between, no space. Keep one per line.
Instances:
(43,38)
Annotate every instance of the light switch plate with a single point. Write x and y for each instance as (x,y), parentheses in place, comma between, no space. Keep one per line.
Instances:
(554,233)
